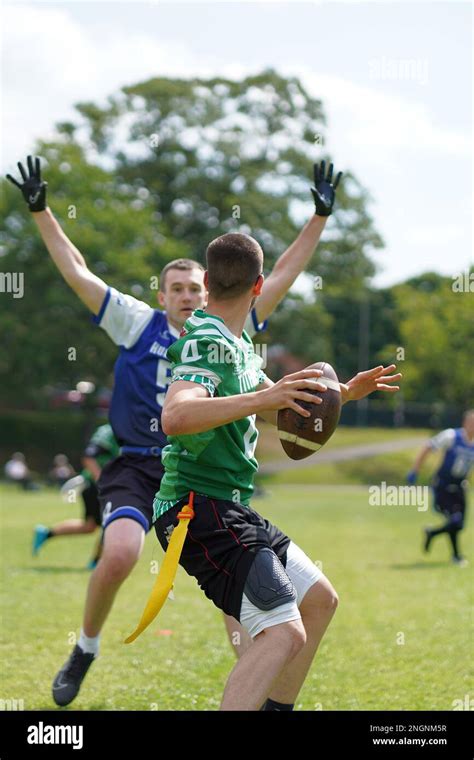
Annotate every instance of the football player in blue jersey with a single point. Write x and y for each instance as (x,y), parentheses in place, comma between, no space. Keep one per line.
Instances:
(449,482)
(128,484)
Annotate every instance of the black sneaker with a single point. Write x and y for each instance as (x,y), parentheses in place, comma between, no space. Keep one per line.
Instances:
(68,681)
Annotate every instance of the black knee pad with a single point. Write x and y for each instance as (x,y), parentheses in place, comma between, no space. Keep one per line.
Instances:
(267,585)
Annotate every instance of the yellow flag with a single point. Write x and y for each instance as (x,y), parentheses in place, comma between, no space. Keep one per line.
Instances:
(165,579)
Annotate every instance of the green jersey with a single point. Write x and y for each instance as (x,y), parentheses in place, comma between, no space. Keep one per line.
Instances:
(219,462)
(102,447)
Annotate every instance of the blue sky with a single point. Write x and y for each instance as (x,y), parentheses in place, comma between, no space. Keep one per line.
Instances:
(395,80)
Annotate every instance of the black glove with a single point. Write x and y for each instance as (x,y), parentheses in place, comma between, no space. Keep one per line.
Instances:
(33,188)
(323,190)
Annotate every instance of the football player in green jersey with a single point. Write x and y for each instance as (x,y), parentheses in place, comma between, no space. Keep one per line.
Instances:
(243,563)
(102,448)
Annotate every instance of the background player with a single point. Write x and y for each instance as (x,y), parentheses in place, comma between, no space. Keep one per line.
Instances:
(61,471)
(17,471)
(449,482)
(128,484)
(102,448)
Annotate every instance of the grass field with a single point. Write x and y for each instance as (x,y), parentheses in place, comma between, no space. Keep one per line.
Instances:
(391,469)
(400,638)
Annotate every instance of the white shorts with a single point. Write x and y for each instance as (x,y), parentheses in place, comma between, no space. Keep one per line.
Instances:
(303,573)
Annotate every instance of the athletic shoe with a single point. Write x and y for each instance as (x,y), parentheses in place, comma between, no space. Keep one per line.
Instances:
(68,681)
(427,540)
(460,561)
(40,535)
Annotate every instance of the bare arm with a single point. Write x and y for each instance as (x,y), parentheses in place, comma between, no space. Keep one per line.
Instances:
(422,455)
(188,408)
(294,260)
(290,264)
(91,465)
(442,441)
(70,261)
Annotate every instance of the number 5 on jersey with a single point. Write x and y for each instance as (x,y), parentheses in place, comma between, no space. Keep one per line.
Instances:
(163,378)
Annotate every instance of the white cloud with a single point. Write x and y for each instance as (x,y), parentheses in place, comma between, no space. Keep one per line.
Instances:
(384,124)
(392,142)
(52,62)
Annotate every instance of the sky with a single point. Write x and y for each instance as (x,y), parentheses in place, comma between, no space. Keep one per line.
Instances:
(395,79)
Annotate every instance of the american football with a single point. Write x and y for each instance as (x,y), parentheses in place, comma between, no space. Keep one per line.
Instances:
(302,436)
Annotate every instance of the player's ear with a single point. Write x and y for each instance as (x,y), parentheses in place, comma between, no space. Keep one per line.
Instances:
(206,280)
(161,298)
(257,288)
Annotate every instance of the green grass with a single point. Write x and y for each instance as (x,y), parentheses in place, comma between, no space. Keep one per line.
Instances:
(392,468)
(388,592)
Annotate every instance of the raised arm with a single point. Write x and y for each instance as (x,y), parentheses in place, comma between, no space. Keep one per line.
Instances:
(295,259)
(68,259)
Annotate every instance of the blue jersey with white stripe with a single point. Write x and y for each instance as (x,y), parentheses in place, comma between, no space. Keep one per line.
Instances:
(458,458)
(142,371)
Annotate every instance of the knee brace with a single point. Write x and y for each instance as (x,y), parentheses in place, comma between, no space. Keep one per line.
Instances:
(267,585)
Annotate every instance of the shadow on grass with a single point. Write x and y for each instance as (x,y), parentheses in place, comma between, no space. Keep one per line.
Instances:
(420,565)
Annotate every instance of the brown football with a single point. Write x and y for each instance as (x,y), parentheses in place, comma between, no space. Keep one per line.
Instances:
(302,436)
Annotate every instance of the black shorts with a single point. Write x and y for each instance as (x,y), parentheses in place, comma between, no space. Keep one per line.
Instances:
(220,546)
(449,498)
(127,487)
(90,496)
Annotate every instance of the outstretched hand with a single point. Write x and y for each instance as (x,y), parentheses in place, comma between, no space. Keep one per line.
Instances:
(33,188)
(324,188)
(364,383)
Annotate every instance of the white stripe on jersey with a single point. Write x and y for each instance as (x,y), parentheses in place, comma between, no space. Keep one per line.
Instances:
(125,318)
(195,321)
(189,369)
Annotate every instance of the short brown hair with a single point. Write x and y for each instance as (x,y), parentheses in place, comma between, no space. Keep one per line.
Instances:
(183,264)
(234,262)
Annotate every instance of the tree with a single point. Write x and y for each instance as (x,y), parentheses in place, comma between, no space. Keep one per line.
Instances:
(165,166)
(219,155)
(437,335)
